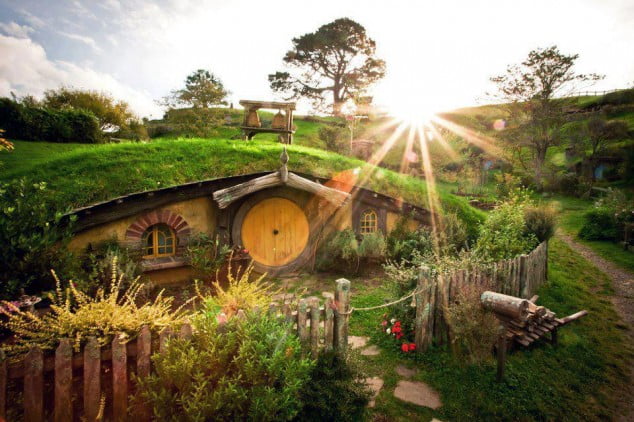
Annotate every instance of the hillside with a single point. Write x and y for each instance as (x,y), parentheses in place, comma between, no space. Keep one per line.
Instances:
(79,175)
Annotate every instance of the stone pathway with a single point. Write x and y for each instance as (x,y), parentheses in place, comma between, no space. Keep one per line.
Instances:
(361,342)
(418,393)
(405,371)
(375,384)
(623,299)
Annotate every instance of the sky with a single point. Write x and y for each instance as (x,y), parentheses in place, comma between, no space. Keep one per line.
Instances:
(440,54)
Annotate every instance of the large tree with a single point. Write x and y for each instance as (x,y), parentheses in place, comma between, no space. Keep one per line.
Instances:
(202,90)
(531,90)
(338,60)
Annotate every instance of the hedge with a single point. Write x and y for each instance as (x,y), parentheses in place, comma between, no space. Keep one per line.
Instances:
(43,124)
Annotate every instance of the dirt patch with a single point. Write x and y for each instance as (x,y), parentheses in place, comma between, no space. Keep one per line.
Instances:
(623,300)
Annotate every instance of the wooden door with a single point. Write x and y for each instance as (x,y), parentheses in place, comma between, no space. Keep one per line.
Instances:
(275,232)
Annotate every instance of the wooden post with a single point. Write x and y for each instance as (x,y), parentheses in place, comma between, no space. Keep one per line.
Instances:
(63,381)
(3,386)
(143,352)
(34,385)
(288,314)
(302,330)
(314,326)
(423,310)
(329,323)
(164,335)
(186,331)
(342,299)
(119,379)
(501,352)
(92,379)
(524,285)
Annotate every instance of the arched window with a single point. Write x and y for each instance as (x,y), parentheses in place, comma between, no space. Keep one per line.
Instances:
(158,240)
(369,222)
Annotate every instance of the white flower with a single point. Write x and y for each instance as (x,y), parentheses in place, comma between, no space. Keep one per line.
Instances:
(393,320)
(388,331)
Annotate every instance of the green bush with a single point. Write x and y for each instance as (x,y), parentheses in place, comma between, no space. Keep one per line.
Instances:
(98,265)
(373,246)
(335,391)
(33,240)
(248,370)
(600,224)
(453,236)
(622,97)
(335,138)
(504,234)
(540,221)
(33,123)
(402,242)
(206,254)
(340,251)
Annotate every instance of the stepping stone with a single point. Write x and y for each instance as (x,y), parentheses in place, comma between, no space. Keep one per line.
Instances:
(406,372)
(356,342)
(418,393)
(371,351)
(375,384)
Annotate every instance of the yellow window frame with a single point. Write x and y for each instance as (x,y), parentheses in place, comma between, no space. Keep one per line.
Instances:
(369,222)
(156,231)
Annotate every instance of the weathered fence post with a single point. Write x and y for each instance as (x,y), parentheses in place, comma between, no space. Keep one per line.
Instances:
(63,381)
(119,378)
(501,352)
(329,322)
(143,352)
(302,331)
(34,385)
(314,326)
(524,284)
(423,310)
(342,300)
(92,379)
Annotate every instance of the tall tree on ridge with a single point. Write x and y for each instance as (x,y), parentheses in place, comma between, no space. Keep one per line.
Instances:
(337,59)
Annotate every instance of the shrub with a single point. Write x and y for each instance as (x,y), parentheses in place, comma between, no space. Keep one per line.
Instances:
(600,224)
(621,97)
(33,239)
(206,254)
(77,316)
(240,294)
(402,242)
(336,390)
(474,330)
(32,123)
(98,268)
(340,250)
(248,369)
(504,234)
(540,221)
(453,236)
(335,138)
(373,246)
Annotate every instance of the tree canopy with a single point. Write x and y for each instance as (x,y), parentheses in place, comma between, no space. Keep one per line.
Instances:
(338,59)
(111,114)
(531,89)
(202,90)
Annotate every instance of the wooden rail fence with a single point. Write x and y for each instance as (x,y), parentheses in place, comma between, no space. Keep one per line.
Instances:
(96,383)
(520,277)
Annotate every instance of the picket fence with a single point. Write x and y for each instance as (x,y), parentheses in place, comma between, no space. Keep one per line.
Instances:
(520,277)
(96,383)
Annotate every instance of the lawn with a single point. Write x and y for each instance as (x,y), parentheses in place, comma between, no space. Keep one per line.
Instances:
(580,379)
(571,211)
(79,175)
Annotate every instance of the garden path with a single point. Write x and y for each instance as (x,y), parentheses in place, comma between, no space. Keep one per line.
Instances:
(623,300)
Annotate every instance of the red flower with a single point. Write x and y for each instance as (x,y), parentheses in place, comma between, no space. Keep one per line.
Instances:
(396,329)
(412,347)
(397,323)
(404,347)
(399,335)
(384,323)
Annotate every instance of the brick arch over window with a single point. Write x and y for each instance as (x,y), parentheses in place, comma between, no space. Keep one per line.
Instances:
(134,234)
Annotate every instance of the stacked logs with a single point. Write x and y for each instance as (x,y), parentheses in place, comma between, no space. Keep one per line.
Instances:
(523,319)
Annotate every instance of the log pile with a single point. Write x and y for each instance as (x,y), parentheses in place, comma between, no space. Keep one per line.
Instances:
(523,319)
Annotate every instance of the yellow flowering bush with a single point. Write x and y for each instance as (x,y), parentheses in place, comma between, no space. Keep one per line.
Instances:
(76,315)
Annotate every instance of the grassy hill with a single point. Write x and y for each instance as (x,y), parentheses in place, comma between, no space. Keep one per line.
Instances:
(79,175)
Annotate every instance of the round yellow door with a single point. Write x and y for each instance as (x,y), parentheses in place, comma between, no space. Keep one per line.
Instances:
(275,232)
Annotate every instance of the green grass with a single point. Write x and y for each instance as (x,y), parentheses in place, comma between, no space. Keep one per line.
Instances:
(580,379)
(571,211)
(82,175)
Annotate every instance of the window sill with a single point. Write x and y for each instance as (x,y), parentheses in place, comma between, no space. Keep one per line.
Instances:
(163,263)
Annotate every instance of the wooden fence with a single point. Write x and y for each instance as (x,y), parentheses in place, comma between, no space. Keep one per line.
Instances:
(96,383)
(520,277)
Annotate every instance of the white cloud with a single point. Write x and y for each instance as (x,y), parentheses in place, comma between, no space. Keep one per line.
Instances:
(31,19)
(15,30)
(82,39)
(25,69)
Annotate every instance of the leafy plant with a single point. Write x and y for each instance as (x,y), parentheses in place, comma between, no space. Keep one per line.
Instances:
(335,138)
(473,329)
(402,242)
(77,316)
(600,224)
(339,251)
(540,221)
(373,246)
(5,145)
(98,266)
(248,369)
(335,390)
(33,239)
(206,254)
(241,293)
